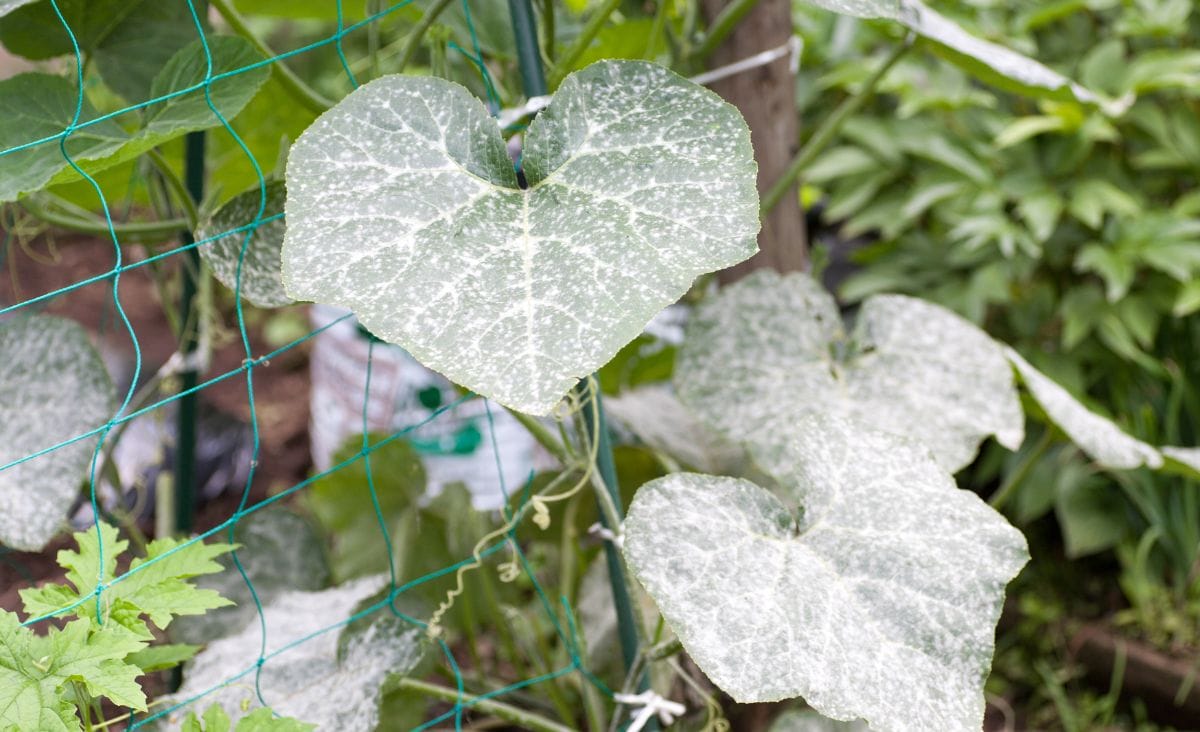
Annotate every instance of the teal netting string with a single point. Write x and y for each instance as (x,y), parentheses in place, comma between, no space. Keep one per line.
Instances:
(129,409)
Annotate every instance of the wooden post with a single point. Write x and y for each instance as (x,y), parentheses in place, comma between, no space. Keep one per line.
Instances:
(766,97)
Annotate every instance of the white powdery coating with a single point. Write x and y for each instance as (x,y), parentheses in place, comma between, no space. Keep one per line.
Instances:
(768,351)
(261,283)
(1005,62)
(306,682)
(655,415)
(1097,436)
(7,6)
(403,206)
(1189,457)
(881,605)
(53,387)
(810,721)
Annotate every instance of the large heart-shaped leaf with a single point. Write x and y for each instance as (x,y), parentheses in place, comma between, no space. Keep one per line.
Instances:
(43,105)
(769,350)
(403,205)
(53,387)
(989,61)
(348,684)
(872,591)
(1097,436)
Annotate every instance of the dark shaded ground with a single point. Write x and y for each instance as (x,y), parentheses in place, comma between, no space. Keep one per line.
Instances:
(281,388)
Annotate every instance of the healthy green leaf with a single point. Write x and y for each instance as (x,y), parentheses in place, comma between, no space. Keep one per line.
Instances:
(36,671)
(53,387)
(160,591)
(403,206)
(44,106)
(1098,437)
(341,502)
(989,61)
(260,720)
(159,658)
(349,689)
(260,282)
(872,590)
(127,41)
(769,350)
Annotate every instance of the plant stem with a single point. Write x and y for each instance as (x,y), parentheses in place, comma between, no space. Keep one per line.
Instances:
(312,100)
(1016,477)
(583,40)
(544,437)
(178,189)
(513,715)
(418,34)
(548,30)
(827,131)
(133,232)
(722,26)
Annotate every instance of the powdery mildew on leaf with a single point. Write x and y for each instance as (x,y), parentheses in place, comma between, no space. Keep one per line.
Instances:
(655,415)
(403,206)
(7,6)
(1000,61)
(1185,458)
(1098,437)
(880,603)
(261,283)
(53,386)
(771,349)
(810,721)
(307,682)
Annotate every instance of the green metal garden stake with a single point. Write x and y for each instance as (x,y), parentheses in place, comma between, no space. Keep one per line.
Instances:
(533,77)
(185,442)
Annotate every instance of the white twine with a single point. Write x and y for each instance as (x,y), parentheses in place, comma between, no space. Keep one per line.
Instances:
(791,48)
(651,704)
(599,531)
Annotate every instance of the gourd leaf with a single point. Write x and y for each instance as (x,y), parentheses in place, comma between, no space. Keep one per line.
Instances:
(1185,460)
(7,6)
(53,387)
(37,671)
(988,61)
(159,591)
(260,267)
(43,106)
(129,42)
(654,414)
(403,206)
(260,720)
(1097,436)
(771,349)
(871,589)
(295,669)
(809,721)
